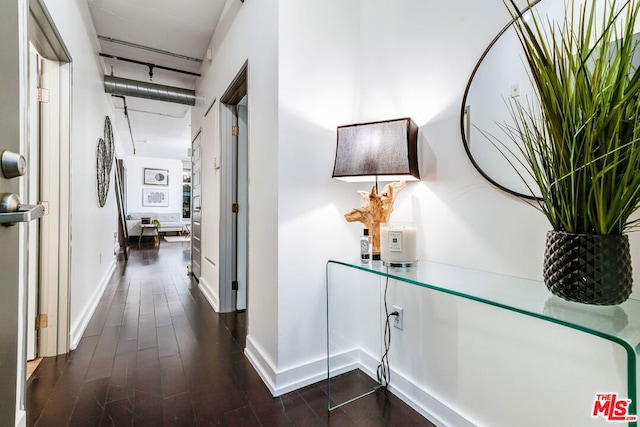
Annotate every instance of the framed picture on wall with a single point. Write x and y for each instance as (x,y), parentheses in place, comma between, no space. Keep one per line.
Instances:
(155,197)
(156,176)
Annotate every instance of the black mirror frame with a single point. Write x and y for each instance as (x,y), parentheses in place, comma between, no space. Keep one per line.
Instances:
(463,107)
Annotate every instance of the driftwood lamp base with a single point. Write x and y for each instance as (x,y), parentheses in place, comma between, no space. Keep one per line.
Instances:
(376,210)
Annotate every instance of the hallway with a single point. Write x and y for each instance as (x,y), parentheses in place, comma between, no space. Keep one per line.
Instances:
(155,353)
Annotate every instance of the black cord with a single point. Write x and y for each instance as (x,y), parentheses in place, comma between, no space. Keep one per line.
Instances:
(383,371)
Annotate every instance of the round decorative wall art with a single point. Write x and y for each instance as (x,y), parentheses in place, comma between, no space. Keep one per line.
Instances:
(104,162)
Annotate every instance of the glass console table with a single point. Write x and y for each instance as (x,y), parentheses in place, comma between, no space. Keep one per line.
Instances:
(355,292)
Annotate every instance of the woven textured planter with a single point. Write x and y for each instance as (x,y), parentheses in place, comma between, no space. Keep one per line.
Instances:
(588,268)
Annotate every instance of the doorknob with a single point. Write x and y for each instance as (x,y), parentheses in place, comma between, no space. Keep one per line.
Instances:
(13,164)
(12,211)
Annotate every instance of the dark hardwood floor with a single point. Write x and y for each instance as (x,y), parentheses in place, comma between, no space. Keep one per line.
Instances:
(155,353)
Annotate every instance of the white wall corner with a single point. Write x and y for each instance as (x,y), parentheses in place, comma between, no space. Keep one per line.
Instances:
(209,295)
(78,328)
(286,380)
(262,364)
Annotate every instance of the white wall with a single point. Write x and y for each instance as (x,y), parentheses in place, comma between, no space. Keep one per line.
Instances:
(383,60)
(92,227)
(247,31)
(135,166)
(414,59)
(318,91)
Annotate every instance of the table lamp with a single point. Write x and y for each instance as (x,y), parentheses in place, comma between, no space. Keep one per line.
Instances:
(377,152)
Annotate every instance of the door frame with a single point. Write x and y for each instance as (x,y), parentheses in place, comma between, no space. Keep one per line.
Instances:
(32,195)
(55,244)
(228,119)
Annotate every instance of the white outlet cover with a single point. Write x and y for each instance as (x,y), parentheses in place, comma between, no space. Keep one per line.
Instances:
(515,90)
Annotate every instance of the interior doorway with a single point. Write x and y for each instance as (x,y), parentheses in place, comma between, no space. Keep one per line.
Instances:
(43,156)
(48,183)
(234,218)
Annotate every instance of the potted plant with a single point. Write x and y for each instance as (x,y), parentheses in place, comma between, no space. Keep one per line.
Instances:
(581,143)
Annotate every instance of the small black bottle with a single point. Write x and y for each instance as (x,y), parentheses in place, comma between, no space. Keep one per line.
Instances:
(365,247)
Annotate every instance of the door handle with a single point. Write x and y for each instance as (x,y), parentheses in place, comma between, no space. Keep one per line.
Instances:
(12,211)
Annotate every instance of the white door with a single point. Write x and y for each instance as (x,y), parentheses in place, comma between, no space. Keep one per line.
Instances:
(13,130)
(242,238)
(196,208)
(16,213)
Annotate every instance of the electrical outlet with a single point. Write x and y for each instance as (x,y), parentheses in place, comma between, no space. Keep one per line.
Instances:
(398,321)
(515,90)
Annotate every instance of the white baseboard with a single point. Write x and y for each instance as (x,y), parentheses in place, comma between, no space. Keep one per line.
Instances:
(420,400)
(78,327)
(205,288)
(285,381)
(301,376)
(21,419)
(261,364)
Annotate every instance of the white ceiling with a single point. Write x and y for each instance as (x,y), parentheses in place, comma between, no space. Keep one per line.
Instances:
(184,28)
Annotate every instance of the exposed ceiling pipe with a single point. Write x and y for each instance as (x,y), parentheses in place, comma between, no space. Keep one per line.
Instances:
(127,87)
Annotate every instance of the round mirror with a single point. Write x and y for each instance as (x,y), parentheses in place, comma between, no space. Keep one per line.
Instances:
(500,78)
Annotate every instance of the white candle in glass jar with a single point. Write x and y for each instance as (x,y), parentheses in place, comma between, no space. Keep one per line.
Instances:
(398,243)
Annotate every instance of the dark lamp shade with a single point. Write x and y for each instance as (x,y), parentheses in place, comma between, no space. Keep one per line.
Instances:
(386,151)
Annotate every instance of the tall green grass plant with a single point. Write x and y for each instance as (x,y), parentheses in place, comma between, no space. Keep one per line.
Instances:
(581,139)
